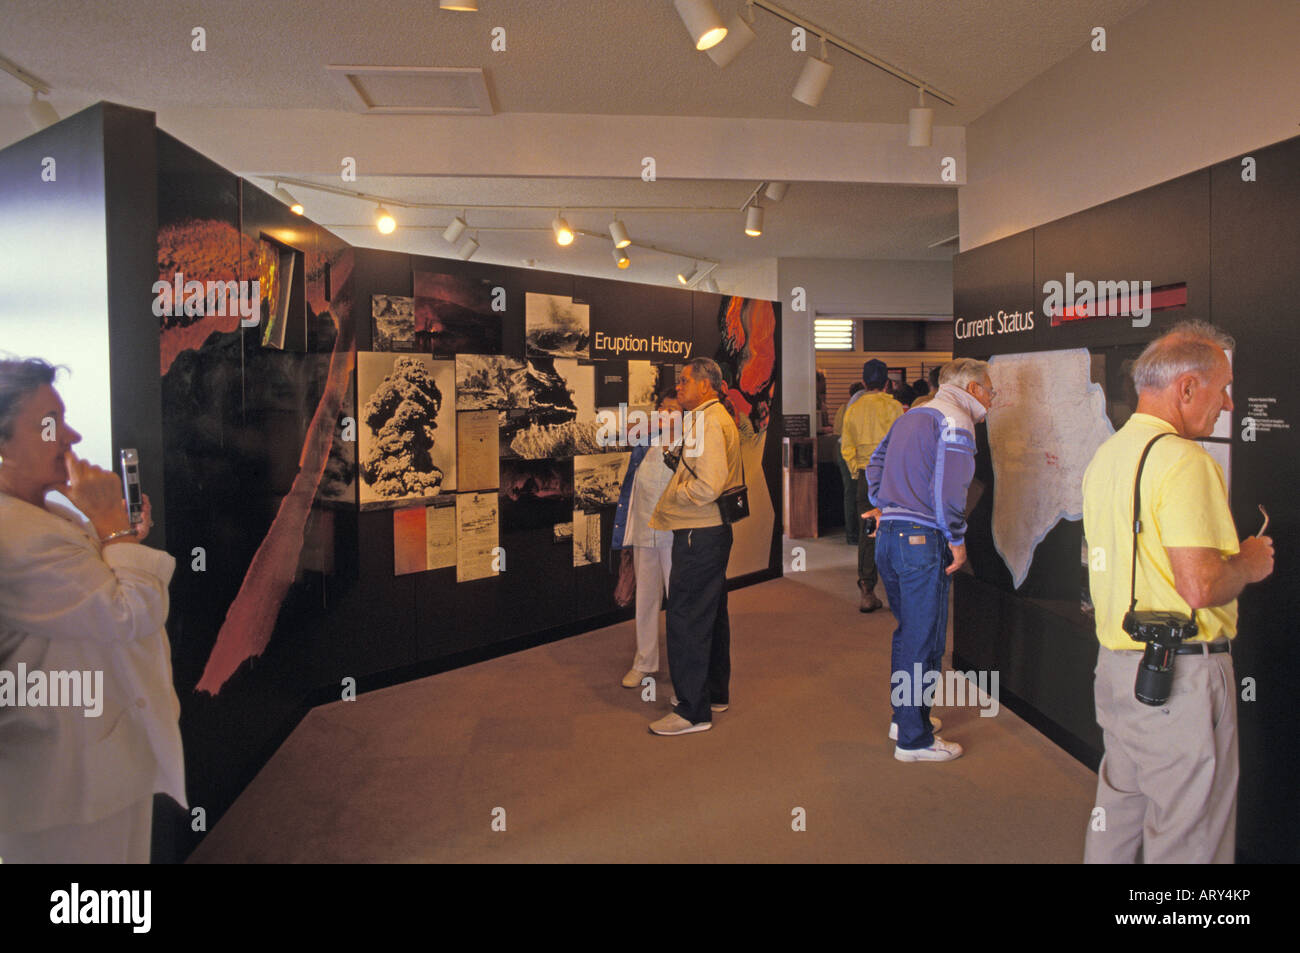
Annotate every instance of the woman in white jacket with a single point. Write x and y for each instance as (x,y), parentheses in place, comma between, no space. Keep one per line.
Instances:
(82,603)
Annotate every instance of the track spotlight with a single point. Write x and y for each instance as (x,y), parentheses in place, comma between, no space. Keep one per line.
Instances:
(754,221)
(283,195)
(451,234)
(468,6)
(711,286)
(41,113)
(812,81)
(686,277)
(563,233)
(702,22)
(776,190)
(384,221)
(618,232)
(740,34)
(920,122)
(467,250)
(621,259)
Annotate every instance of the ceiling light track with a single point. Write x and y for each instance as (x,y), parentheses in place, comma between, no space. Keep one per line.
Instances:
(828,37)
(17,72)
(460,206)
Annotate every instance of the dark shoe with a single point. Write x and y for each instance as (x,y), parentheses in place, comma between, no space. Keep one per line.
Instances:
(869,603)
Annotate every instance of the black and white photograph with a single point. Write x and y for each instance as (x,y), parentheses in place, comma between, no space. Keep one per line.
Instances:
(598,478)
(394,323)
(642,383)
(586,538)
(406,428)
(559,417)
(491,381)
(557,326)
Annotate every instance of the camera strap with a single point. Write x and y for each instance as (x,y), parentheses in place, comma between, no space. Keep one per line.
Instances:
(691,470)
(1137,522)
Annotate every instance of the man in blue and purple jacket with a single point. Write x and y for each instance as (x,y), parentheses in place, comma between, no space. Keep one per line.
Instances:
(917,480)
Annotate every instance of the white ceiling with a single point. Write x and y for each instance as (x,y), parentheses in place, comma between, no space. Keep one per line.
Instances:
(576,57)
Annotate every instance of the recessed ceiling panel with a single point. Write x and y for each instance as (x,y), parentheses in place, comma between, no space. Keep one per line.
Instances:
(430,90)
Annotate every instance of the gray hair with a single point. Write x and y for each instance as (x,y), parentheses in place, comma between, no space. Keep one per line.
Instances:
(18,379)
(707,369)
(1189,347)
(963,371)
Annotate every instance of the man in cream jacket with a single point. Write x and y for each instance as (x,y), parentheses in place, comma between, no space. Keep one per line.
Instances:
(699,632)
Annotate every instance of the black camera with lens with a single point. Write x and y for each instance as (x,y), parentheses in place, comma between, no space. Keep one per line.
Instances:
(1162,632)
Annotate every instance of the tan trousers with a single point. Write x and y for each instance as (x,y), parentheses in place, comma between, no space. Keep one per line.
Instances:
(1168,779)
(121,838)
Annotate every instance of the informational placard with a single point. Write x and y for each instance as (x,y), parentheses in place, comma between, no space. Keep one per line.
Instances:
(476,449)
(796,425)
(477,536)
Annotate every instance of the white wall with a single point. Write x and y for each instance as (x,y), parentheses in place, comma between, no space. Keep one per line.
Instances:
(887,289)
(1182,85)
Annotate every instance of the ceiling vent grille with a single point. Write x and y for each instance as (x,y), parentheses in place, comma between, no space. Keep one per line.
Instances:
(413,90)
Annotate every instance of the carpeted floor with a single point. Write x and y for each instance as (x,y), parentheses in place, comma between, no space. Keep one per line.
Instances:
(548,743)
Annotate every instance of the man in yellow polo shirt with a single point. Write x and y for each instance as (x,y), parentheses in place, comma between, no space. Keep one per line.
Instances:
(1167,784)
(866,422)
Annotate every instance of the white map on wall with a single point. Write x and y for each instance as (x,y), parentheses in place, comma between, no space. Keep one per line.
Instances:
(1046,422)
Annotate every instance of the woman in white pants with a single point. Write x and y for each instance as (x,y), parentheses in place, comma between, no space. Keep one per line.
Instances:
(652,549)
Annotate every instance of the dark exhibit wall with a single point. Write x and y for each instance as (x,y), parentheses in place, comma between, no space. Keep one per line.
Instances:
(392,469)
(1214,246)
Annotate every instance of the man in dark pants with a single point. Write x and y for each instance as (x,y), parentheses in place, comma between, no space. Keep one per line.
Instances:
(852,521)
(866,422)
(699,633)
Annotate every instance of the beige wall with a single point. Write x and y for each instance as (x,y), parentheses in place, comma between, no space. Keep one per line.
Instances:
(834,287)
(1183,84)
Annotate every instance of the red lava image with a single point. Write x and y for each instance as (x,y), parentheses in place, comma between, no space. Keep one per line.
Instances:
(204,251)
(749,344)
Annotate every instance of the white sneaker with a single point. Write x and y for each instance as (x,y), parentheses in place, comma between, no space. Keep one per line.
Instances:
(935,725)
(939,751)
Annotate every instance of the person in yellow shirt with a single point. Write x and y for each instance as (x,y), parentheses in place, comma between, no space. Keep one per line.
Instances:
(1167,784)
(866,422)
(850,494)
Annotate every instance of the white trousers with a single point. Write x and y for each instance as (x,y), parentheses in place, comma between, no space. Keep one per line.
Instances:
(653,564)
(121,838)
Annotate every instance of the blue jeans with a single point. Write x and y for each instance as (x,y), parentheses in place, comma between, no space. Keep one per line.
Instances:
(911,559)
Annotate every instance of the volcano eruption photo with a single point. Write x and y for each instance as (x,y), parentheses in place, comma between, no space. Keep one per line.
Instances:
(408,433)
(557,326)
(536,493)
(454,315)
